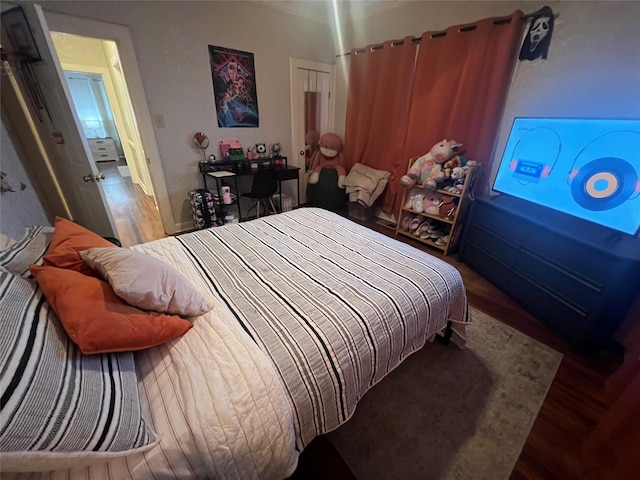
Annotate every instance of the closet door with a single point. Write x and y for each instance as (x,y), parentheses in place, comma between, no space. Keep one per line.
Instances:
(312,107)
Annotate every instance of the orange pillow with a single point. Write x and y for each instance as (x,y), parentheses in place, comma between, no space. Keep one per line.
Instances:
(68,239)
(97,320)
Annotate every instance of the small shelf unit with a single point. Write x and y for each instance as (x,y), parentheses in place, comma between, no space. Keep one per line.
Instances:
(449,225)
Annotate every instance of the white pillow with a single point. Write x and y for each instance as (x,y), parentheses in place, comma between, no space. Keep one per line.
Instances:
(146,282)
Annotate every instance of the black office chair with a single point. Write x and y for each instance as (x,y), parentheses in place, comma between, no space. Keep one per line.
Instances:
(264,185)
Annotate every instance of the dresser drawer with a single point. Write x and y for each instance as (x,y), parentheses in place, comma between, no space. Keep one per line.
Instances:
(103,149)
(101,142)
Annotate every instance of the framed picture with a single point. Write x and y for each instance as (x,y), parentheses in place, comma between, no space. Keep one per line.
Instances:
(234,87)
(19,33)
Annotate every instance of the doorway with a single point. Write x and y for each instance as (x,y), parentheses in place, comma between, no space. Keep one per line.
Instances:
(312,109)
(103,104)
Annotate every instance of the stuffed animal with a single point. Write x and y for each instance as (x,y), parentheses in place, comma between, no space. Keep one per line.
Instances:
(328,155)
(453,162)
(432,203)
(458,174)
(426,171)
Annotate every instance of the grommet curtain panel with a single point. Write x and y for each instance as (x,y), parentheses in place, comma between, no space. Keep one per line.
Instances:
(378,107)
(455,89)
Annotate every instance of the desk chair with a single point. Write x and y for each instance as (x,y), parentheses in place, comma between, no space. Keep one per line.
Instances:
(264,185)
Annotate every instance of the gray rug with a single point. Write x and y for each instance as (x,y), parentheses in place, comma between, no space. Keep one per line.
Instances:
(451,413)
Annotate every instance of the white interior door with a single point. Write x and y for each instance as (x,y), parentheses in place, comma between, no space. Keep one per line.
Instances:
(312,108)
(60,132)
(152,178)
(137,159)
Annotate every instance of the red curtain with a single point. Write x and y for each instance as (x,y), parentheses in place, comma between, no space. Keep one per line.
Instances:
(456,90)
(311,110)
(461,83)
(378,109)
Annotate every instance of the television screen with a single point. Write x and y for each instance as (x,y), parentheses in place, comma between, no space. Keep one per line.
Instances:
(588,168)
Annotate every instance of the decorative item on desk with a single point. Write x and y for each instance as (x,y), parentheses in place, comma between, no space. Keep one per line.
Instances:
(201,141)
(212,158)
(261,150)
(275,150)
(226,145)
(236,153)
(226,194)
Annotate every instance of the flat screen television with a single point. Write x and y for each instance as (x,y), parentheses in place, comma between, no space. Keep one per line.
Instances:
(588,168)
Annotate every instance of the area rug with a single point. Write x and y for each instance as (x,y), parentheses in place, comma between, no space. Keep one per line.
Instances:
(124,171)
(451,413)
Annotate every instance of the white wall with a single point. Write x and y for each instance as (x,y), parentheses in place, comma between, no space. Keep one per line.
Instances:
(171,39)
(592,70)
(22,208)
(593,67)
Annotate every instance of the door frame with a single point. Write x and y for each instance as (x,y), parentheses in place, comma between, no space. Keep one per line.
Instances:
(121,36)
(297,110)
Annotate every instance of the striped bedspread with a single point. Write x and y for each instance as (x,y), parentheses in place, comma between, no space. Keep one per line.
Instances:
(334,305)
(311,310)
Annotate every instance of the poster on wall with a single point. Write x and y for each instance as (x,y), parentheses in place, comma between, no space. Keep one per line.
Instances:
(234,87)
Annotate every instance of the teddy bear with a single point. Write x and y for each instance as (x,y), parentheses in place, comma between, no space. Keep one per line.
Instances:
(426,171)
(328,155)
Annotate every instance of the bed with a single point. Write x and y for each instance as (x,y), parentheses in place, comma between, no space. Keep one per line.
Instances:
(308,310)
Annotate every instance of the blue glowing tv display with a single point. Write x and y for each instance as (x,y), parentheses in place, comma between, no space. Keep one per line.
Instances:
(588,168)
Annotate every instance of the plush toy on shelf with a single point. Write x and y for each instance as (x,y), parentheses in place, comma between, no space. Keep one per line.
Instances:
(328,155)
(453,162)
(426,171)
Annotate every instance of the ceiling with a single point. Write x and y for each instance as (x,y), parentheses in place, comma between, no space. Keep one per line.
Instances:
(323,10)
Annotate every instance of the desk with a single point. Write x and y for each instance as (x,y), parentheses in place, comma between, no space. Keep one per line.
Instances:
(283,172)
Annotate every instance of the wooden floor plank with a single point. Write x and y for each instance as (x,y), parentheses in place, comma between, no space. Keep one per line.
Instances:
(135,214)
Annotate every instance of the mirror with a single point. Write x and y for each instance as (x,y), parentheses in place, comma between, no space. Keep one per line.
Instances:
(202,142)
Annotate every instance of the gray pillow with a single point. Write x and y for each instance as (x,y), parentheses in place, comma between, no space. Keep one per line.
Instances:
(26,251)
(60,409)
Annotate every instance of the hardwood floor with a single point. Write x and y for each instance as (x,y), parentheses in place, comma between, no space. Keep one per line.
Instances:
(573,405)
(575,401)
(134,213)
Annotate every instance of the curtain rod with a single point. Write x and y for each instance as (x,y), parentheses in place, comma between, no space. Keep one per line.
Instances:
(442,33)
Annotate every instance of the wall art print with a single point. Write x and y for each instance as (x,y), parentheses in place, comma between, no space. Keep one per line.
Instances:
(234,87)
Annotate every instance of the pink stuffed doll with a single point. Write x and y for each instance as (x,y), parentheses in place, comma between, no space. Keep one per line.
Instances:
(328,155)
(426,171)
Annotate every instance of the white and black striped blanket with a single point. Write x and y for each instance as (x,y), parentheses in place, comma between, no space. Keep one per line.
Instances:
(334,305)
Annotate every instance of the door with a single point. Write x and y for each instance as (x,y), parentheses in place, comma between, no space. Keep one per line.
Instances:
(92,106)
(59,130)
(137,158)
(312,107)
(124,64)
